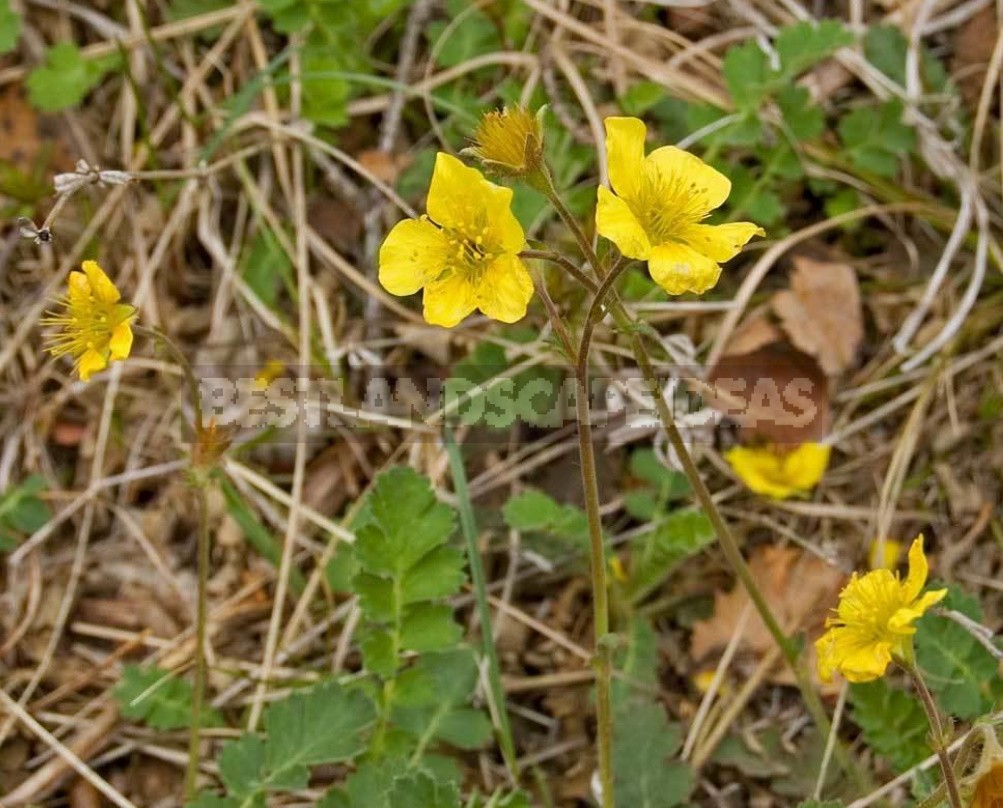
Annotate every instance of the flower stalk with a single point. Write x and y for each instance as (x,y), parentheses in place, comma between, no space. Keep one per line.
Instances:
(939,738)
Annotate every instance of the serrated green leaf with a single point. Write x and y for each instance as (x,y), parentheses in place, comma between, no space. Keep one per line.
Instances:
(954,664)
(537,511)
(892,722)
(805,44)
(325,93)
(242,766)
(429,627)
(746,72)
(322,725)
(886,48)
(159,699)
(377,596)
(465,728)
(65,78)
(804,118)
(420,790)
(875,138)
(10,27)
(21,511)
(654,554)
(406,522)
(439,574)
(644,743)
(378,653)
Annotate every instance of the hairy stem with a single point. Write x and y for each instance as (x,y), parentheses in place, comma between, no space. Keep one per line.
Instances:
(938,738)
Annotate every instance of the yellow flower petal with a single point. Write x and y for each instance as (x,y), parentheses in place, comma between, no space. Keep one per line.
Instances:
(460,199)
(448,301)
(866,663)
(505,289)
(679,269)
(805,466)
(708,185)
(414,253)
(616,221)
(120,343)
(101,285)
(919,569)
(78,288)
(625,153)
(720,242)
(90,362)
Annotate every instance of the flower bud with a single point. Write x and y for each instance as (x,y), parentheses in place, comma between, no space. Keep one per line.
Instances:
(509,141)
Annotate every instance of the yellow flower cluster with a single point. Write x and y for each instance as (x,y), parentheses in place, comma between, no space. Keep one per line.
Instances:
(873,623)
(464,253)
(93,327)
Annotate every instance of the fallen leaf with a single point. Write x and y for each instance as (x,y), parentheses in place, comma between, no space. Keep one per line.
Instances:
(799,588)
(754,332)
(973,47)
(382,165)
(821,312)
(775,393)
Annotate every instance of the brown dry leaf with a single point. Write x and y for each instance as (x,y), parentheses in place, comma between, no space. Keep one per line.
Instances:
(821,312)
(384,166)
(776,393)
(24,134)
(755,332)
(800,590)
(973,47)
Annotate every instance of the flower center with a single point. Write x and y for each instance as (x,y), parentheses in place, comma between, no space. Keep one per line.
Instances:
(469,257)
(664,203)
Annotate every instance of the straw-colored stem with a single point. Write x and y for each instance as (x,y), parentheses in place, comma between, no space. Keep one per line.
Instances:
(198,688)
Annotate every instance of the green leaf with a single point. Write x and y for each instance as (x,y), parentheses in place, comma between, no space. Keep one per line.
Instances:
(955,665)
(644,742)
(325,94)
(439,574)
(10,27)
(892,722)
(242,765)
(406,523)
(323,725)
(421,790)
(429,627)
(65,78)
(655,553)
(804,119)
(159,699)
(875,138)
(805,44)
(886,48)
(22,512)
(264,265)
(378,653)
(535,510)
(637,660)
(641,97)
(746,72)
(474,35)
(206,799)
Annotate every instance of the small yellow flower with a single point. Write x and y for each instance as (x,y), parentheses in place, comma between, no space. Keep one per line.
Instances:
(94,328)
(509,141)
(464,253)
(892,554)
(657,206)
(779,475)
(873,623)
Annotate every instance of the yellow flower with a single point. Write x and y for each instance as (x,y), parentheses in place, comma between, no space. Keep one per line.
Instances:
(892,554)
(777,475)
(465,252)
(657,206)
(873,623)
(94,328)
(509,141)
